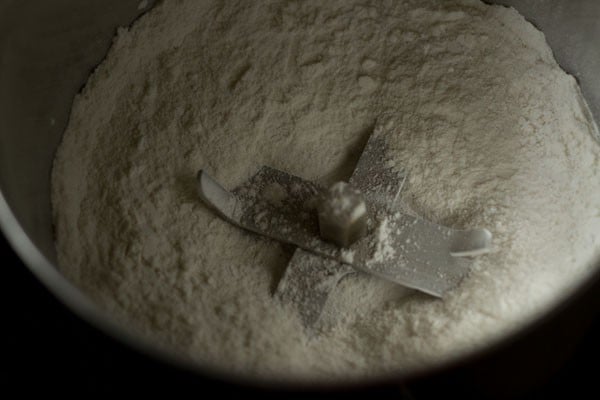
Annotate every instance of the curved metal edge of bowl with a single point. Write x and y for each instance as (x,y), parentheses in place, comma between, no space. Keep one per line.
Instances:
(89,312)
(82,306)
(70,296)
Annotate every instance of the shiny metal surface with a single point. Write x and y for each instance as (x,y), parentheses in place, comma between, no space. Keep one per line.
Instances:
(48,48)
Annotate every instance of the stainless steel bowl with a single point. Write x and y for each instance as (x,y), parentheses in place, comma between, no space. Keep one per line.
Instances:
(47,50)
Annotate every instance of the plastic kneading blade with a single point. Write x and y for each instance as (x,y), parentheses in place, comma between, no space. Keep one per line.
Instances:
(398,247)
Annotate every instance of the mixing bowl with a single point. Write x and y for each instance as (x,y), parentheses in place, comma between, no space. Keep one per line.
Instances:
(47,50)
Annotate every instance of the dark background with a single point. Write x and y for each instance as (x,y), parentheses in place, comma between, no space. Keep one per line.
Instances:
(46,349)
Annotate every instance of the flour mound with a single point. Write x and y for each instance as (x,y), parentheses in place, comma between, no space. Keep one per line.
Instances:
(492,132)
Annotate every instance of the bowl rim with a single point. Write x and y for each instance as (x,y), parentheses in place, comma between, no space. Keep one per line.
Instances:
(82,306)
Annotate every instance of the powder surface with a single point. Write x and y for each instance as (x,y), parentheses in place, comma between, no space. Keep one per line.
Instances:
(491,131)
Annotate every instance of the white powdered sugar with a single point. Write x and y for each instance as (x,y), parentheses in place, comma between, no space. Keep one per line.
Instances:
(490,130)
(383,247)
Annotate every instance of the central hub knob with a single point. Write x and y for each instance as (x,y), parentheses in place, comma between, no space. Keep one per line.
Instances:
(342,214)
